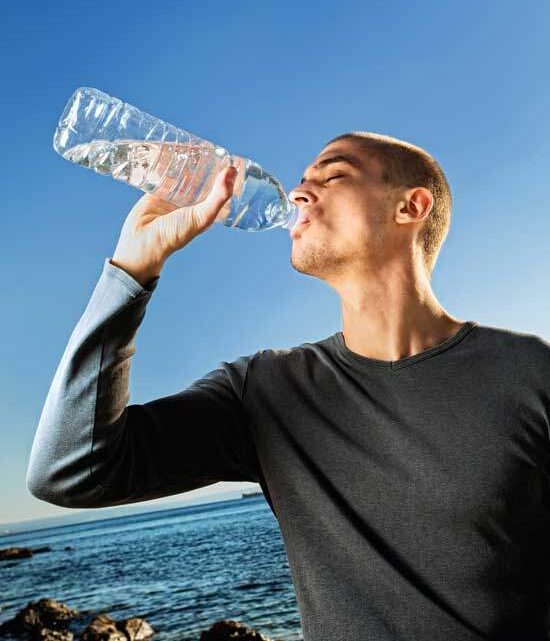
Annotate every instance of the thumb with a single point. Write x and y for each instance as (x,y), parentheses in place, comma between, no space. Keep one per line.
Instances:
(205,212)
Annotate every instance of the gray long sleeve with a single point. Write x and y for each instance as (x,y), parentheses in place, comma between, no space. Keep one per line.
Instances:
(92,449)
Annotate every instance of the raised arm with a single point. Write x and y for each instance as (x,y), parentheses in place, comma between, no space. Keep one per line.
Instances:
(91,449)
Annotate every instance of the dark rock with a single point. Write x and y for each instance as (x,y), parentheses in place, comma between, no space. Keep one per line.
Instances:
(21,553)
(227,630)
(46,548)
(105,628)
(49,620)
(135,629)
(14,553)
(40,620)
(46,634)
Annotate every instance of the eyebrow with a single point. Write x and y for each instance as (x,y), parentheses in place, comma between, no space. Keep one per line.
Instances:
(339,158)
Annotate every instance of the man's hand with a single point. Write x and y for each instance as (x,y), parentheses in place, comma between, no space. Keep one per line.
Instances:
(154,229)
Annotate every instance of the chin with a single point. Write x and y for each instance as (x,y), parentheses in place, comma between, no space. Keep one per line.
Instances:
(296,263)
(309,267)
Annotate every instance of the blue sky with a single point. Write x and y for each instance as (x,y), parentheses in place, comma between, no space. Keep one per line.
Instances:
(272,81)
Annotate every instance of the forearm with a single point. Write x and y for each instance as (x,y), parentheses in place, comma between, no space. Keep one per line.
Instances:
(92,449)
(89,390)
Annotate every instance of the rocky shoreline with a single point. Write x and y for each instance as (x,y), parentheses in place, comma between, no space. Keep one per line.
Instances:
(50,620)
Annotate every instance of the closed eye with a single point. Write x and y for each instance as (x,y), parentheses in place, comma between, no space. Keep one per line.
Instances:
(332,177)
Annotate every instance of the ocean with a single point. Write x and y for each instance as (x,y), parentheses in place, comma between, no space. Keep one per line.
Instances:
(181,569)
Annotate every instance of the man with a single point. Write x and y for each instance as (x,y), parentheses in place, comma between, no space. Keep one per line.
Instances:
(406,458)
(363,235)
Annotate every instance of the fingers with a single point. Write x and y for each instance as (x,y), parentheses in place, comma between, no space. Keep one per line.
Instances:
(223,188)
(229,178)
(207,211)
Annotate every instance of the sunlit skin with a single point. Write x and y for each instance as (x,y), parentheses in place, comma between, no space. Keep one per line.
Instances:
(361,240)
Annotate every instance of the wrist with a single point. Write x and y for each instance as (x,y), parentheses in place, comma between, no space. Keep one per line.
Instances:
(142,276)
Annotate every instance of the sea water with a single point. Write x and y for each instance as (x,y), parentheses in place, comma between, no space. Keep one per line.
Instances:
(181,569)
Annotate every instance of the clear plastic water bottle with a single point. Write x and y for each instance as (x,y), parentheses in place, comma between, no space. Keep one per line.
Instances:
(114,138)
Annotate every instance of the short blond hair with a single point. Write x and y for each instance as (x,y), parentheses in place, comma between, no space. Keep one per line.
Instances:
(406,165)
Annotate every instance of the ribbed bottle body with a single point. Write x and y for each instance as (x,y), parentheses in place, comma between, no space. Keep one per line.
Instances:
(114,138)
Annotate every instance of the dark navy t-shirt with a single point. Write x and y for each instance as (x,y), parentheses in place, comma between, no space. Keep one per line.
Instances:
(412,495)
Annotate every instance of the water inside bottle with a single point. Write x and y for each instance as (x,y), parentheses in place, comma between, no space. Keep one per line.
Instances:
(180,173)
(184,174)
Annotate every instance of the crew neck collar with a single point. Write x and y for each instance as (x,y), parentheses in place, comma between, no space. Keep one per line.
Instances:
(343,349)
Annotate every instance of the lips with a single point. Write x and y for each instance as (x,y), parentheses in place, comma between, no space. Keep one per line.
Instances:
(299,227)
(304,216)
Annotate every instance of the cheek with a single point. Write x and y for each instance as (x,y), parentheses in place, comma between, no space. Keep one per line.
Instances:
(353,221)
(355,227)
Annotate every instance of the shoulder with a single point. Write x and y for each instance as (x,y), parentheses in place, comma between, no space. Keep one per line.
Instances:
(509,337)
(268,358)
(303,352)
(518,348)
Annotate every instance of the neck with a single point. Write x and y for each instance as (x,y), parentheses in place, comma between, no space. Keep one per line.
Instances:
(392,316)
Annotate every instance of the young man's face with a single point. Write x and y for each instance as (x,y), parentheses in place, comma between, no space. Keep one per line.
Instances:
(345,214)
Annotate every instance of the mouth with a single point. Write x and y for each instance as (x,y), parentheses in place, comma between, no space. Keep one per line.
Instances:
(303,217)
(299,227)
(302,222)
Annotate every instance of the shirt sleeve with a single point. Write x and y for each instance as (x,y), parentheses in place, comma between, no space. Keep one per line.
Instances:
(92,449)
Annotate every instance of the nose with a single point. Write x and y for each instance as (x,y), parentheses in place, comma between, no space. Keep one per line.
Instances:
(302,195)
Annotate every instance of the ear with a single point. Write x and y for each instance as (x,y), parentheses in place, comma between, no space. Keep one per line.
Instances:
(415,205)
